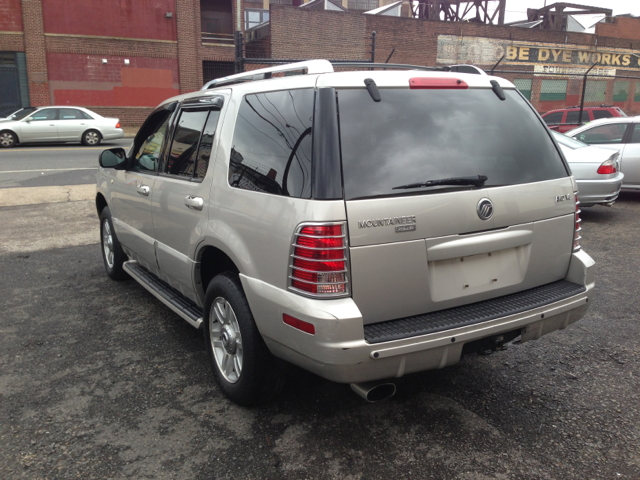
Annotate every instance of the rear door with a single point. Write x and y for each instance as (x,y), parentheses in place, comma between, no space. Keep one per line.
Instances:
(415,249)
(181,195)
(71,124)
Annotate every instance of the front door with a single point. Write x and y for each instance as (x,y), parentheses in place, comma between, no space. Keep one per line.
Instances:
(40,126)
(133,189)
(181,196)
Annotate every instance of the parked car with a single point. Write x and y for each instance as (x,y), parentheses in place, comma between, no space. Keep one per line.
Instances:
(596,170)
(565,119)
(433,217)
(18,114)
(58,124)
(621,134)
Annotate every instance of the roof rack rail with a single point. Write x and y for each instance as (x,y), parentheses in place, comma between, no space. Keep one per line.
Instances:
(365,64)
(310,67)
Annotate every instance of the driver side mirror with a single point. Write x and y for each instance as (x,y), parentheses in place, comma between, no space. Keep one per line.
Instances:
(114,158)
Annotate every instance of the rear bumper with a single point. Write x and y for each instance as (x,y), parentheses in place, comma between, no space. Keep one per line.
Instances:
(599,192)
(113,134)
(338,351)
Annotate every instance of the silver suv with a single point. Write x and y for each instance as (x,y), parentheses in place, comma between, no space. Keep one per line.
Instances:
(362,225)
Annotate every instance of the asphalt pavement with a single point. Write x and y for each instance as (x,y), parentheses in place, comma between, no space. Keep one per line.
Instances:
(37,165)
(99,380)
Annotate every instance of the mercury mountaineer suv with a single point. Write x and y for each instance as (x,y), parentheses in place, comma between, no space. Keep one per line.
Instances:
(362,225)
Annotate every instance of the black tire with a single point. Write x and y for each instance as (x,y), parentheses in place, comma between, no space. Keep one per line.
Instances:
(91,138)
(112,263)
(8,139)
(261,374)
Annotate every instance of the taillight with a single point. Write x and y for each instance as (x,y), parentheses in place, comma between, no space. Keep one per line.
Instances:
(118,125)
(610,165)
(578,228)
(319,264)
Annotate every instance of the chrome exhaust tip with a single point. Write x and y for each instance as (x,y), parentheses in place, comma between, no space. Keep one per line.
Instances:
(374,391)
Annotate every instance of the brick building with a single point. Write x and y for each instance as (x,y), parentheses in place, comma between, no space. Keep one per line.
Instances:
(123,57)
(118,58)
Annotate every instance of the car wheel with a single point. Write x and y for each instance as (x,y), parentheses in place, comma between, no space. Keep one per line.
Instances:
(91,138)
(112,253)
(244,367)
(8,139)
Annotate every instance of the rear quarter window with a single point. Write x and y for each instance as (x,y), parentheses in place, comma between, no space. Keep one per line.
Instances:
(271,148)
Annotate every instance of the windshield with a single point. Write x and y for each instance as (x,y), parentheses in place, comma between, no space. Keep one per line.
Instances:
(20,114)
(569,142)
(418,135)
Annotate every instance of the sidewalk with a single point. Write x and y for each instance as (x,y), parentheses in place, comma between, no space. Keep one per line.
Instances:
(130,132)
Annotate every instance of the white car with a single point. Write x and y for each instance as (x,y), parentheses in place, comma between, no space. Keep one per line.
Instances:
(22,112)
(621,134)
(596,170)
(58,124)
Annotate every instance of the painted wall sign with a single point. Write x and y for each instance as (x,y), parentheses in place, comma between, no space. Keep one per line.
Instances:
(575,58)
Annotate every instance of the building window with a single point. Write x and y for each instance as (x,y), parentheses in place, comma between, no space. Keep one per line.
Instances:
(213,70)
(620,91)
(596,91)
(553,90)
(363,4)
(254,17)
(281,2)
(524,85)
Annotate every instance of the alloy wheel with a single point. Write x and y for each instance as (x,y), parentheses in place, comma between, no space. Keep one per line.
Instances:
(6,139)
(107,243)
(226,340)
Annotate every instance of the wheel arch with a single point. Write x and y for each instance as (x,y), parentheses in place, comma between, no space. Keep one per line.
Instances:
(101,203)
(211,261)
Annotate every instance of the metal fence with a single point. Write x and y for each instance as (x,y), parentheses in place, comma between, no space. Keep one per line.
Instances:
(578,93)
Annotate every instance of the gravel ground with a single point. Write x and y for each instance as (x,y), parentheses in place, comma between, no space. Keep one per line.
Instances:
(100,380)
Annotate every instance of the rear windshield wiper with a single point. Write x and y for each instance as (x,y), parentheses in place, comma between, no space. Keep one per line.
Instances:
(477,181)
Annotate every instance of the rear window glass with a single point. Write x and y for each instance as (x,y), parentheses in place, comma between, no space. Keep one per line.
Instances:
(418,135)
(568,142)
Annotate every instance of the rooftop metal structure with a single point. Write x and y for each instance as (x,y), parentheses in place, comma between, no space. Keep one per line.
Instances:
(554,16)
(489,12)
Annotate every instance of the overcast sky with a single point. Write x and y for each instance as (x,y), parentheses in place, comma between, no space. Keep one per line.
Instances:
(517,9)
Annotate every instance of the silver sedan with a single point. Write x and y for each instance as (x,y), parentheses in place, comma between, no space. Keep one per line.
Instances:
(58,124)
(596,170)
(621,134)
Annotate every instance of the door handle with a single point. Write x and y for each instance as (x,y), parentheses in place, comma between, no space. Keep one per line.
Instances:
(195,203)
(144,190)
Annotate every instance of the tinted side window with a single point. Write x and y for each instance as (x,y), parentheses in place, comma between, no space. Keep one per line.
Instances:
(271,150)
(635,137)
(573,116)
(553,118)
(206,143)
(148,153)
(601,114)
(184,148)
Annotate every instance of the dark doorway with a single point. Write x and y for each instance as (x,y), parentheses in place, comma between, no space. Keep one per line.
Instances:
(9,84)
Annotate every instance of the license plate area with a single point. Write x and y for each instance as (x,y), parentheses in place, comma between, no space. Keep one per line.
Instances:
(469,275)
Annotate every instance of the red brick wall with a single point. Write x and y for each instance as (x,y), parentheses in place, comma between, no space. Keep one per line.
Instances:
(35,52)
(621,28)
(10,16)
(85,81)
(300,34)
(128,116)
(189,43)
(121,18)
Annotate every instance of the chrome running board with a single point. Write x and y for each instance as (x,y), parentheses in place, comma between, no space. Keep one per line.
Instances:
(168,295)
